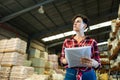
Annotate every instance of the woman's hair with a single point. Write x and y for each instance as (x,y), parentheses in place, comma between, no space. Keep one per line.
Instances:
(84,18)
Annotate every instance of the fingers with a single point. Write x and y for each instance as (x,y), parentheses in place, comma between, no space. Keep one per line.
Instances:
(64,61)
(86,61)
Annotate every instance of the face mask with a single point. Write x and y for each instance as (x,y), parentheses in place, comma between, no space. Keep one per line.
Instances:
(82,28)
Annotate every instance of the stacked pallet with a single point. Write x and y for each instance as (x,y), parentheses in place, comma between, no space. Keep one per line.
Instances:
(39,65)
(12,59)
(21,72)
(38,77)
(40,61)
(4,73)
(12,45)
(53,58)
(12,55)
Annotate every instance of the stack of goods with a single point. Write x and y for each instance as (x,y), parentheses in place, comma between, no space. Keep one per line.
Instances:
(57,77)
(13,44)
(104,76)
(53,58)
(104,60)
(48,67)
(115,63)
(34,53)
(21,72)
(44,55)
(113,42)
(38,77)
(39,65)
(3,44)
(1,57)
(13,54)
(39,59)
(27,63)
(4,73)
(115,47)
(114,27)
(12,58)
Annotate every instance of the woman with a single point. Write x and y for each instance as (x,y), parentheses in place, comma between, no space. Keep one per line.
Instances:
(80,23)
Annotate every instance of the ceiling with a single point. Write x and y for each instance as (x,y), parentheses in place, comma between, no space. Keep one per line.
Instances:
(24,15)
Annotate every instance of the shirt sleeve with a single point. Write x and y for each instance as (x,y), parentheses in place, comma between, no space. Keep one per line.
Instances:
(62,56)
(96,54)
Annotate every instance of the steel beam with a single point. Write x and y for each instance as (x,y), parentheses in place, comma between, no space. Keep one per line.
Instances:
(93,35)
(9,17)
(42,33)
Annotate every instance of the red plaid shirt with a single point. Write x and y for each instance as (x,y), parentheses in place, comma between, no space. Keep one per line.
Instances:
(71,42)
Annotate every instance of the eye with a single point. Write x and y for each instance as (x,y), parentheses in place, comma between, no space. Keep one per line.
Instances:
(78,21)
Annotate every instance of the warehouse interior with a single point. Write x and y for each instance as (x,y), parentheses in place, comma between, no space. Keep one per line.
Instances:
(34,20)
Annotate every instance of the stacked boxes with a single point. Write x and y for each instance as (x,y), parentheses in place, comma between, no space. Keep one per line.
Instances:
(3,44)
(21,72)
(44,55)
(12,45)
(38,77)
(34,53)
(12,58)
(4,73)
(53,58)
(12,54)
(39,65)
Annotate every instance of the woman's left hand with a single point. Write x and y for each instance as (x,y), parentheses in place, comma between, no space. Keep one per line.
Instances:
(86,61)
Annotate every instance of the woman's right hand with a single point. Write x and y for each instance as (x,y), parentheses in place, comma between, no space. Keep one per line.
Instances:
(64,61)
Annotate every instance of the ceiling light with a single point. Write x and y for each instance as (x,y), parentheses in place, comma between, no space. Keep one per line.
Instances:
(93,27)
(102,43)
(100,25)
(41,10)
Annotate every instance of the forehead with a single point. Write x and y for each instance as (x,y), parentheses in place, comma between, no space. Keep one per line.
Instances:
(78,18)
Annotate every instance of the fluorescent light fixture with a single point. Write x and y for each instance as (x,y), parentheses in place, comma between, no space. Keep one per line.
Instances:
(58,36)
(100,25)
(102,43)
(45,39)
(69,33)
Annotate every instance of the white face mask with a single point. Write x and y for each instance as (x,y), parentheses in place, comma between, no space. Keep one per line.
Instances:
(82,28)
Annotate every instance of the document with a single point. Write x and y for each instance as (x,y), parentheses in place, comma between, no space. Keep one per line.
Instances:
(73,55)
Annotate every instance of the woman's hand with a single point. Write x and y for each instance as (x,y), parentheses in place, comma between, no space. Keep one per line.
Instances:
(86,61)
(64,61)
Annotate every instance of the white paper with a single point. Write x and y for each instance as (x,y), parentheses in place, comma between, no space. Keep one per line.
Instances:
(73,55)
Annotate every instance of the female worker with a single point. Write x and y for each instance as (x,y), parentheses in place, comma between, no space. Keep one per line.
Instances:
(80,23)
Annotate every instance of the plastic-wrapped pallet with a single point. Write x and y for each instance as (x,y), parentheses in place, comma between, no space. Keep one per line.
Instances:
(39,65)
(113,26)
(54,59)
(4,78)
(44,55)
(21,72)
(27,63)
(104,76)
(34,53)
(38,77)
(57,77)
(4,73)
(1,56)
(12,58)
(16,44)
(3,44)
(48,67)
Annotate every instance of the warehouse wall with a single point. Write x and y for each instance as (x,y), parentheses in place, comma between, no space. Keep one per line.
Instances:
(7,31)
